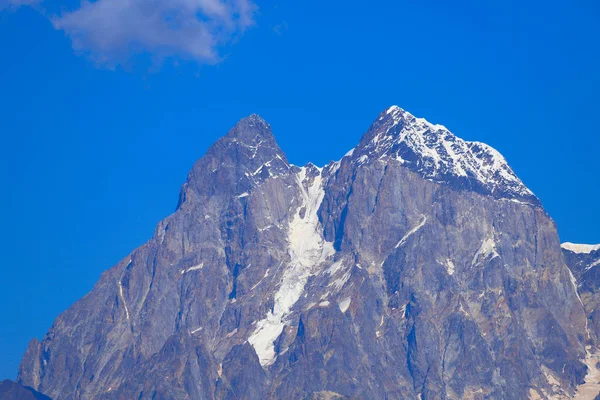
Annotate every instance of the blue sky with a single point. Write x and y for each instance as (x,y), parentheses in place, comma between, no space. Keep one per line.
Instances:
(101,123)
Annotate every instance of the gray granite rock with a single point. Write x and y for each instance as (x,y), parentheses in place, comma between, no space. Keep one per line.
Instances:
(416,267)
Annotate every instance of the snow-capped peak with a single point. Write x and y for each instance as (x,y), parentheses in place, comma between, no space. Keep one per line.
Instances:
(580,248)
(439,155)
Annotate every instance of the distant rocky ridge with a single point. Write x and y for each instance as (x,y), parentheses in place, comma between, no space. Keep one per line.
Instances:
(416,267)
(12,391)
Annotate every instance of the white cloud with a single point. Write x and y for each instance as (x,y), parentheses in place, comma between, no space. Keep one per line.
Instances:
(111,31)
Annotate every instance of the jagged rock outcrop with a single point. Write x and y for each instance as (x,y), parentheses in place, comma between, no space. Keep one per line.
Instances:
(417,266)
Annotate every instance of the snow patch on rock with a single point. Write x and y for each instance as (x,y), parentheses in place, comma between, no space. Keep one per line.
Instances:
(574,283)
(594,264)
(123,299)
(486,251)
(345,304)
(194,268)
(411,232)
(307,250)
(450,267)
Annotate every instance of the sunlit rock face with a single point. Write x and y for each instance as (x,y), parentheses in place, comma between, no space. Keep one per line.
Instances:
(416,267)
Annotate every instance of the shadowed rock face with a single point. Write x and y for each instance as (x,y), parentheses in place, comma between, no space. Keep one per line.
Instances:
(13,391)
(418,266)
(584,262)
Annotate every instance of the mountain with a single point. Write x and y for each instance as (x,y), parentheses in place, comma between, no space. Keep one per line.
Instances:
(583,261)
(12,391)
(418,266)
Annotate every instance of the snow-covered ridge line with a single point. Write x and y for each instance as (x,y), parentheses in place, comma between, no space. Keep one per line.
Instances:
(580,248)
(439,155)
(434,152)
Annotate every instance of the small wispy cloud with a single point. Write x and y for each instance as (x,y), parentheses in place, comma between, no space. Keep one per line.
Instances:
(14,4)
(113,31)
(280,28)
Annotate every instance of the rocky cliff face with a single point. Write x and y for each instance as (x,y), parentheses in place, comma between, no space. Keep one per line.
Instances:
(416,267)
(584,260)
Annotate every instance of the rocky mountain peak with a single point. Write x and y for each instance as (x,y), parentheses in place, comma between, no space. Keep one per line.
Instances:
(251,130)
(238,161)
(250,141)
(439,155)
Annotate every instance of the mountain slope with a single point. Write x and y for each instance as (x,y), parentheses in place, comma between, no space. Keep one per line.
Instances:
(418,266)
(13,391)
(583,261)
